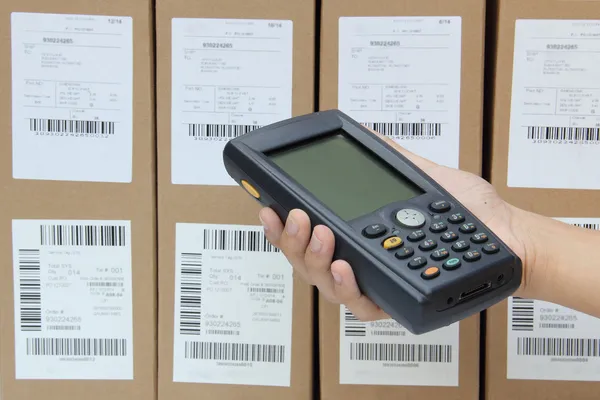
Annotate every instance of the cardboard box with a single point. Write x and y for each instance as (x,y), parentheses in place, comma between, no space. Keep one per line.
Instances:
(545,134)
(78,287)
(227,299)
(413,70)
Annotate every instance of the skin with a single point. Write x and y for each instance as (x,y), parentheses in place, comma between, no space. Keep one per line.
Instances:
(548,272)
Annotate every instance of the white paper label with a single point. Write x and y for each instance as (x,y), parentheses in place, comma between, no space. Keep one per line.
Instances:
(401,77)
(233,307)
(229,77)
(384,353)
(547,341)
(72,97)
(73,299)
(555,106)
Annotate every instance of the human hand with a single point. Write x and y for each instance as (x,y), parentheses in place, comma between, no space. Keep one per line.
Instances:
(310,254)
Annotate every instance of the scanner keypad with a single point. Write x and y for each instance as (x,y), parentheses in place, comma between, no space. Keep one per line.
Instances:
(466,242)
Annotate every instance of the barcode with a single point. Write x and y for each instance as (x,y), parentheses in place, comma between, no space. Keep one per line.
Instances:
(595,227)
(264,290)
(63,328)
(401,352)
(267,353)
(522,314)
(190,302)
(82,235)
(558,347)
(405,128)
(222,332)
(220,131)
(71,126)
(30,289)
(557,326)
(352,325)
(563,133)
(76,347)
(388,333)
(105,284)
(237,240)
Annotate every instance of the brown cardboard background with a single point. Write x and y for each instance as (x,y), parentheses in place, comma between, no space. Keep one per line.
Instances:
(473,20)
(80,200)
(549,202)
(226,205)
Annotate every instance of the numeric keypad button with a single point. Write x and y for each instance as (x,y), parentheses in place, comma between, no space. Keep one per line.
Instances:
(438,227)
(416,236)
(417,262)
(461,245)
(468,227)
(405,252)
(449,237)
(479,238)
(428,244)
(472,255)
(456,218)
(440,254)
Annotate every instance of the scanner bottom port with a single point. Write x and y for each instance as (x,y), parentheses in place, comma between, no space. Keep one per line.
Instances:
(475,291)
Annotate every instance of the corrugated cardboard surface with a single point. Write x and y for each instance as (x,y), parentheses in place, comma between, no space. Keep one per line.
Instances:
(30,199)
(473,19)
(549,202)
(223,204)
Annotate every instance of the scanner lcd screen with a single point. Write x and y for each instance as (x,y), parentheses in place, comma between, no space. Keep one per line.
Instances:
(343,175)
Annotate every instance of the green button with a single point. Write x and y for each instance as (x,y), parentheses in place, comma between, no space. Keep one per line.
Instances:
(452,263)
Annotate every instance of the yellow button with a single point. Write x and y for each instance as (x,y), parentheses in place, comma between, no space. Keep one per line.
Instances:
(250,189)
(392,242)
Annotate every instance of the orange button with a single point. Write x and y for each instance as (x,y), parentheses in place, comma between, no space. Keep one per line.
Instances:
(430,273)
(250,189)
(392,242)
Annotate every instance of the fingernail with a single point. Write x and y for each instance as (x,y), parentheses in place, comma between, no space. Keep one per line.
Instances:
(337,278)
(291,227)
(315,244)
(265,227)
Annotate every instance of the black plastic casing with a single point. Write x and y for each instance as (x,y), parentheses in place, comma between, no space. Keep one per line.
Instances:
(417,304)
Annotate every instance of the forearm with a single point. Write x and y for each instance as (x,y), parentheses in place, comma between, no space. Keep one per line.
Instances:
(561,262)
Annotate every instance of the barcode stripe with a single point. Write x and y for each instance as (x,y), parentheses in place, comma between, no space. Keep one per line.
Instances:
(30,289)
(267,353)
(352,325)
(237,240)
(76,347)
(190,302)
(220,131)
(563,133)
(400,129)
(401,352)
(595,227)
(71,126)
(558,347)
(522,314)
(82,235)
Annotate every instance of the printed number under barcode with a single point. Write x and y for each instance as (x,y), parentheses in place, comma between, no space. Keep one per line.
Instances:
(563,133)
(82,235)
(76,347)
(401,352)
(71,126)
(558,347)
(237,240)
(219,131)
(397,129)
(243,352)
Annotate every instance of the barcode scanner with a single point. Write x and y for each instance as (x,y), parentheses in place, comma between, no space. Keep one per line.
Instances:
(415,250)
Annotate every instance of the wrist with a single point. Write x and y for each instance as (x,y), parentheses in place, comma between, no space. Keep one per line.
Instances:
(528,231)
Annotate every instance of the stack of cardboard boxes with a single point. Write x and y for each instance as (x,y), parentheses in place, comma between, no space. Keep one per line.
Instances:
(134,268)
